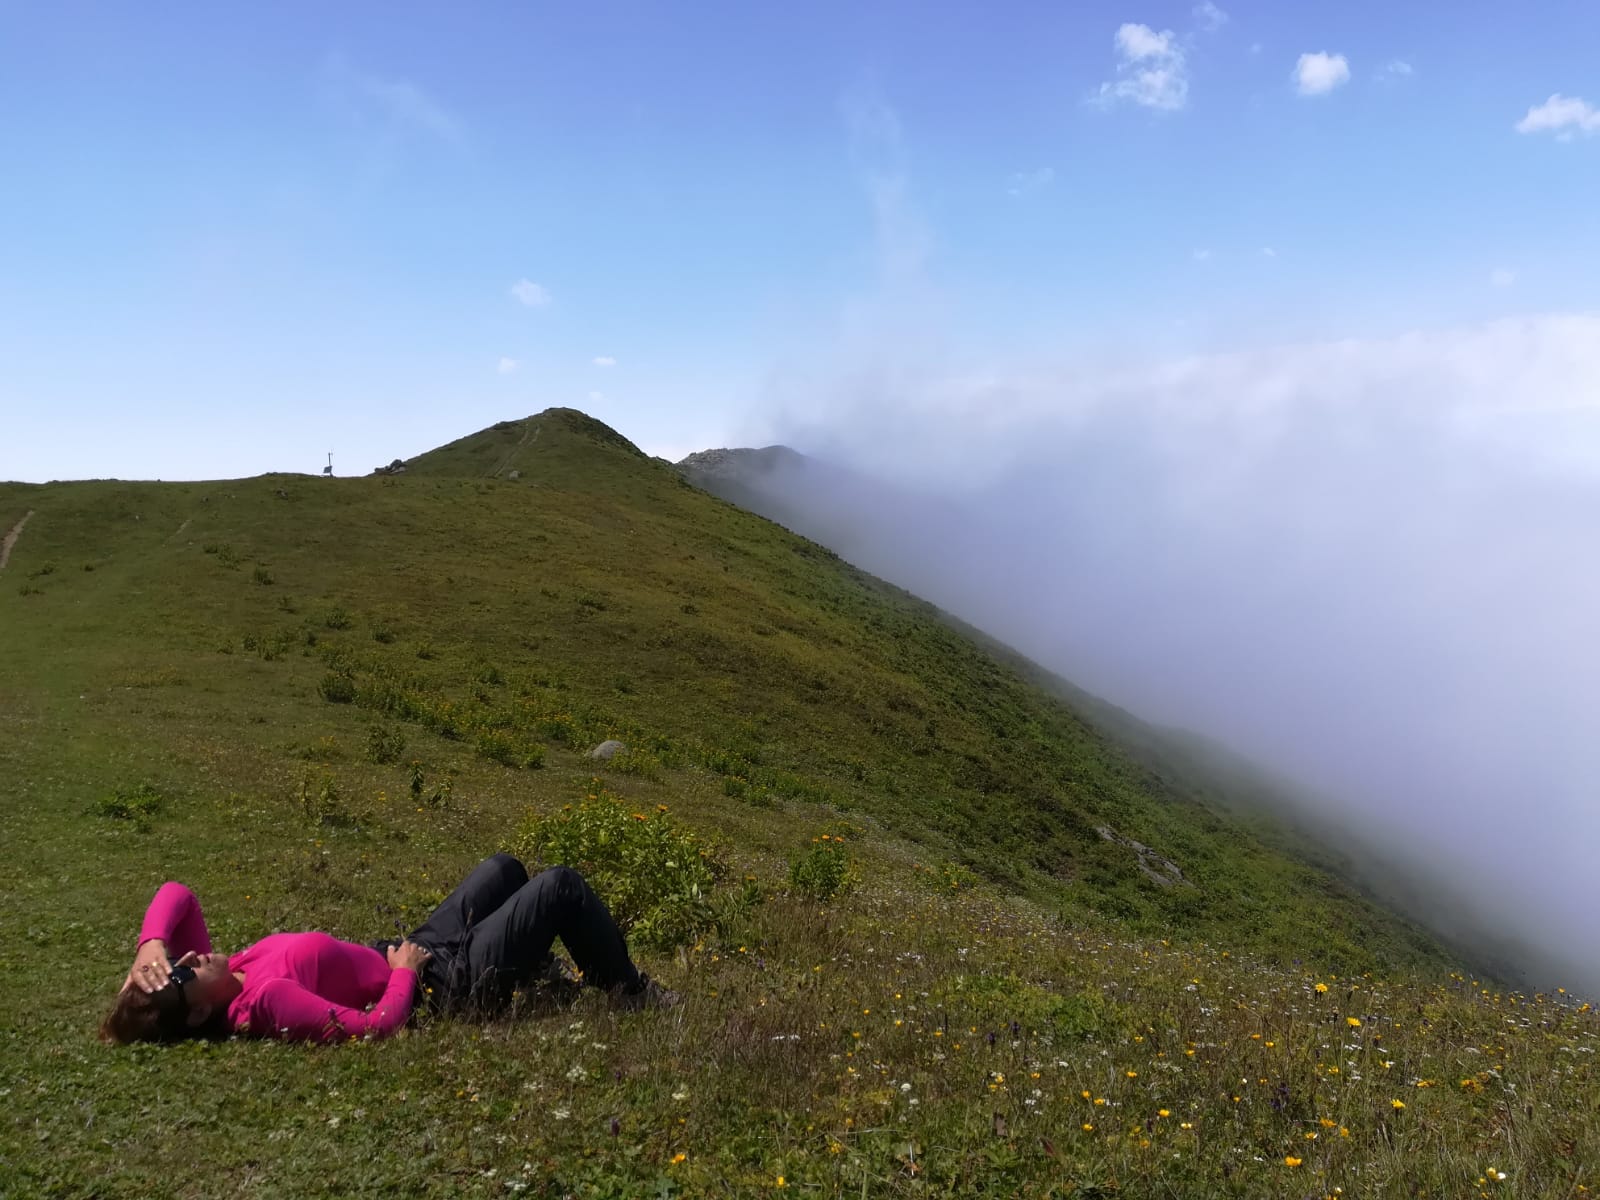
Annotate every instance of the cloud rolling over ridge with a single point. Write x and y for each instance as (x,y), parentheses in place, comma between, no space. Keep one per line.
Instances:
(1367,563)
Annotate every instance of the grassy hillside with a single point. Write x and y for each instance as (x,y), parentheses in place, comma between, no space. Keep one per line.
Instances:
(318,701)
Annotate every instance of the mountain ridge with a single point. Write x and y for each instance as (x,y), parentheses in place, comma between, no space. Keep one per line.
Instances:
(947,938)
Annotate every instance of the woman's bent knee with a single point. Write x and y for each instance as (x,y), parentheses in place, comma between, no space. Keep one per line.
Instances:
(509,866)
(560,879)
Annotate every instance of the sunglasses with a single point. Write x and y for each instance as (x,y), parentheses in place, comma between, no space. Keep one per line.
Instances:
(177,977)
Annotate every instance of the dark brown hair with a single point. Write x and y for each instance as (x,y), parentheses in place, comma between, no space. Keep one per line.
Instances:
(140,1016)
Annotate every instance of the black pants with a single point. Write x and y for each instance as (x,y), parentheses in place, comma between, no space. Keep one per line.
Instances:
(493,933)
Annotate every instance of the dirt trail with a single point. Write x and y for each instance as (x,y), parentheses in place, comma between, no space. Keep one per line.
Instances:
(505,462)
(11,539)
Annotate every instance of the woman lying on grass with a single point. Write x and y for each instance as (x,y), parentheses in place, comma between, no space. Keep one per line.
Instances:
(492,935)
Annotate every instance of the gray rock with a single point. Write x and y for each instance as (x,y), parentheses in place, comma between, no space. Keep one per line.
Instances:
(1157,868)
(607,750)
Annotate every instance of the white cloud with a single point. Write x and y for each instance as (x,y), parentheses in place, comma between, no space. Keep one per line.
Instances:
(1563,116)
(603,360)
(1367,561)
(1268,252)
(507,366)
(398,103)
(1396,67)
(1209,17)
(1151,70)
(1318,74)
(1024,183)
(877,146)
(1502,277)
(530,294)
(409,103)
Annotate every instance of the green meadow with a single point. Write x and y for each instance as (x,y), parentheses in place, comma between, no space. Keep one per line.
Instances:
(937,933)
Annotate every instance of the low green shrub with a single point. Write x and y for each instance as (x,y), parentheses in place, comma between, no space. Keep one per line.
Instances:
(822,872)
(325,749)
(507,749)
(656,876)
(322,804)
(385,744)
(261,575)
(953,877)
(137,803)
(269,647)
(1008,1000)
(439,797)
(337,688)
(637,762)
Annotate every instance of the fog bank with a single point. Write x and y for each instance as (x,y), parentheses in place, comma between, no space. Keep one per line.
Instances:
(1374,565)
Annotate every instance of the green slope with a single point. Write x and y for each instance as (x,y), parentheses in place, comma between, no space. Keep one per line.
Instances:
(601,585)
(1004,1003)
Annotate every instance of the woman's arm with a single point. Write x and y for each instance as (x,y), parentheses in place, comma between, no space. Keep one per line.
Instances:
(173,926)
(283,1009)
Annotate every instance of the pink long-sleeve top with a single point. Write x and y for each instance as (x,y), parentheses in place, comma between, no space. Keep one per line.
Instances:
(297,986)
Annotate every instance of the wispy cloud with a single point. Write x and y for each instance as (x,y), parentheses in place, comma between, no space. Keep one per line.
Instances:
(398,104)
(1564,116)
(1151,70)
(603,360)
(1202,255)
(1268,252)
(1208,17)
(877,144)
(530,294)
(507,366)
(1318,74)
(1025,183)
(1502,277)
(1396,68)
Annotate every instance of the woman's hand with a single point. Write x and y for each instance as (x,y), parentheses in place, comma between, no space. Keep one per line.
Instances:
(408,955)
(151,970)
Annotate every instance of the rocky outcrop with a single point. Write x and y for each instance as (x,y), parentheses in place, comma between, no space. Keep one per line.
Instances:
(1157,867)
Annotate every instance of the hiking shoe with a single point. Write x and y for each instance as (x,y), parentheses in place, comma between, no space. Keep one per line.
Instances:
(558,973)
(649,994)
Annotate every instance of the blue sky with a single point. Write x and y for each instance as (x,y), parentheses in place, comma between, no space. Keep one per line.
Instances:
(239,237)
